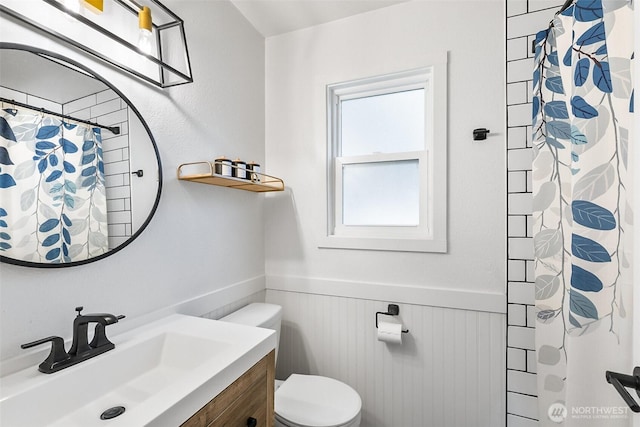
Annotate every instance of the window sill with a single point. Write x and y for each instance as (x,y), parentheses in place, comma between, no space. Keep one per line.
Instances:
(379,244)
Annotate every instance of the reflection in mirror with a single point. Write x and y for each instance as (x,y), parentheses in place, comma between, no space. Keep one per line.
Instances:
(80,173)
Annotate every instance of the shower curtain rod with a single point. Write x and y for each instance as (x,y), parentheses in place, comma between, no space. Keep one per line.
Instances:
(565,6)
(113,129)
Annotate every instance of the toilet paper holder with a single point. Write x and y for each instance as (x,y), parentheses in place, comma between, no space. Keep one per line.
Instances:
(392,310)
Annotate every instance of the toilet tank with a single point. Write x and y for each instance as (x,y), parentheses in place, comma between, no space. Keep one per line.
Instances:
(258,314)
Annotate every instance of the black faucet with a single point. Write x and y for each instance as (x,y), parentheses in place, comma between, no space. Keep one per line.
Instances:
(80,344)
(81,349)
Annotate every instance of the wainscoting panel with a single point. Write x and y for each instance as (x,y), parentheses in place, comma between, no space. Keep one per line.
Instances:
(449,370)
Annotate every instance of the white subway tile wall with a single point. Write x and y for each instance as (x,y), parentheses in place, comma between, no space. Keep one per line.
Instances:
(520,204)
(517,316)
(516,7)
(520,159)
(520,248)
(524,19)
(516,421)
(523,404)
(26,98)
(107,108)
(517,226)
(517,93)
(516,359)
(521,382)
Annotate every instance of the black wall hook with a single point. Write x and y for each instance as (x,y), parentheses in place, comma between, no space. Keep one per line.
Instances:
(480,134)
(392,310)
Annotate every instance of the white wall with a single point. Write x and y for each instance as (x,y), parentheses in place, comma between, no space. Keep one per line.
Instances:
(300,64)
(451,370)
(191,246)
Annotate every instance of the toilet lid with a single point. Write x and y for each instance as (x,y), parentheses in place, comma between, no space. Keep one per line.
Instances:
(314,401)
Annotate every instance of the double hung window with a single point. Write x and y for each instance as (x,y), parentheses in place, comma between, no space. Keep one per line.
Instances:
(382,172)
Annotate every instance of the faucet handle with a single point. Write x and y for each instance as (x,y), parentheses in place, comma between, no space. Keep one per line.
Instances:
(100,337)
(56,355)
(79,309)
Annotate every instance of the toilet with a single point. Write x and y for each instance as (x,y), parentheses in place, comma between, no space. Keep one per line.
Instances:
(303,400)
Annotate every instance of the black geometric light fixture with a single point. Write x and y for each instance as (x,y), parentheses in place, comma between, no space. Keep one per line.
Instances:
(121,33)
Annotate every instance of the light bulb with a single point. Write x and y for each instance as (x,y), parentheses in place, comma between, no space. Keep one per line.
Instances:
(144,41)
(146,24)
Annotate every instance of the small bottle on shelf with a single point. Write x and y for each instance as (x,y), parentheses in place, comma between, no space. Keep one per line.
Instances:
(223,166)
(253,171)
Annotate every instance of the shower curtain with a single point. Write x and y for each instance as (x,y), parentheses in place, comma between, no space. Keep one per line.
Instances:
(53,206)
(582,212)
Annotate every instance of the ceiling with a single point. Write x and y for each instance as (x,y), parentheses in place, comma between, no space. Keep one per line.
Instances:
(274,17)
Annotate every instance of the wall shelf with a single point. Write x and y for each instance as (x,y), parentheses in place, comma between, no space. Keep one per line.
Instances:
(259,182)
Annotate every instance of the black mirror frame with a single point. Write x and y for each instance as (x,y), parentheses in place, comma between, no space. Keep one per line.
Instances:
(35,50)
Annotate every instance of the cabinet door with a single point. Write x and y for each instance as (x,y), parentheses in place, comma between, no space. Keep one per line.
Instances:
(250,396)
(251,404)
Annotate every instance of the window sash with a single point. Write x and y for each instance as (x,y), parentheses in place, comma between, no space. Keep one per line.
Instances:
(421,230)
(397,135)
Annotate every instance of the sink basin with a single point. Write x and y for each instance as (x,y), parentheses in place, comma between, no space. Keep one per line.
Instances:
(160,373)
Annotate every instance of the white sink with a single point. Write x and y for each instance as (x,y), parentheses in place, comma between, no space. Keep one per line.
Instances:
(161,373)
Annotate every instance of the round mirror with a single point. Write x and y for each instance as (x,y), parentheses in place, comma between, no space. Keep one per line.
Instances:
(80,173)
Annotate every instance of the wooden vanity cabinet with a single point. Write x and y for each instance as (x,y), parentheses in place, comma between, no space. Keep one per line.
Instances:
(248,398)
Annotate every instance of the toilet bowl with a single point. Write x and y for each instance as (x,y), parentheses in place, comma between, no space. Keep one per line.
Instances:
(303,400)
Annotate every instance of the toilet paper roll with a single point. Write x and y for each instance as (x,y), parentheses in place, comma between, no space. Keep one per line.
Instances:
(390,332)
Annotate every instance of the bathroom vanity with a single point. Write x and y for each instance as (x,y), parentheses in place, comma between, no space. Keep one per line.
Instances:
(161,373)
(247,402)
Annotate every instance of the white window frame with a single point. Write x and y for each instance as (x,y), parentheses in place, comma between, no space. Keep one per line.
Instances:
(430,234)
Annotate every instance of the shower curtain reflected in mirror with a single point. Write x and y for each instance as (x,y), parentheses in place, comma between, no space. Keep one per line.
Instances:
(53,205)
(582,212)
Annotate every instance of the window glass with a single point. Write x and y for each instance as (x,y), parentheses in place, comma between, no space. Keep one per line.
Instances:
(386,162)
(389,123)
(381,193)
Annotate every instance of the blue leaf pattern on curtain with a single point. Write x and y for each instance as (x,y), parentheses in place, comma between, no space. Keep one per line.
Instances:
(53,205)
(581,135)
